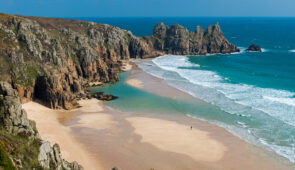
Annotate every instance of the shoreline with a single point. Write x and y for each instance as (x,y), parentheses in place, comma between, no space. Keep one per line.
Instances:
(111,138)
(138,76)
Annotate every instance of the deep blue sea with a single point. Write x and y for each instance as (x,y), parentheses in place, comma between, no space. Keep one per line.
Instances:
(254,91)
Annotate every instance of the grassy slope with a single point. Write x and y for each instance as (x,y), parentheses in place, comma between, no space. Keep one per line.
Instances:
(19,147)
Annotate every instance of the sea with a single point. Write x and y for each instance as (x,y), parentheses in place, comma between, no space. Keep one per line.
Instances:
(250,94)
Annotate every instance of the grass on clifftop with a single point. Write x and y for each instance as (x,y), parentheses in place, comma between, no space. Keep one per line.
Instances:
(5,162)
(20,148)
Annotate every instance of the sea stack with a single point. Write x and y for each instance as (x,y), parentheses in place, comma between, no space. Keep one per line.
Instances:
(254,47)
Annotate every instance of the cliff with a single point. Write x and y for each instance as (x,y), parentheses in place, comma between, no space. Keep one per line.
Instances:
(52,60)
(20,144)
(179,40)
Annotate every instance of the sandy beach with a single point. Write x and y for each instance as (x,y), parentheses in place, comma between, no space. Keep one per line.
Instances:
(100,137)
(49,124)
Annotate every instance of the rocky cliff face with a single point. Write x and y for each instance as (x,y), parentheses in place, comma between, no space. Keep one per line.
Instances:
(179,40)
(20,143)
(52,60)
(12,117)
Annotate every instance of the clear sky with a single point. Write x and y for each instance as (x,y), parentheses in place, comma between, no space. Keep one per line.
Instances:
(102,8)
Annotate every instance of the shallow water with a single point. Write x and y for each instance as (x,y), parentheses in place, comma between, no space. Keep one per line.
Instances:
(252,94)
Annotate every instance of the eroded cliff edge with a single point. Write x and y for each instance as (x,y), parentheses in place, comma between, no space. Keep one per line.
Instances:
(20,144)
(52,60)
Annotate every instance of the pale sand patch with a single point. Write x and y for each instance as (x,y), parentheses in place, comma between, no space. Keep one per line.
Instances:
(97,83)
(127,67)
(53,131)
(97,121)
(135,83)
(91,120)
(174,137)
(92,105)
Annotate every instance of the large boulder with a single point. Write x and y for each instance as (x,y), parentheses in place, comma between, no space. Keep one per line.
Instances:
(50,158)
(254,47)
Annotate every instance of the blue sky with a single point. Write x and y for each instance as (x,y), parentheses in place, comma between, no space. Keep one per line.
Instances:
(102,8)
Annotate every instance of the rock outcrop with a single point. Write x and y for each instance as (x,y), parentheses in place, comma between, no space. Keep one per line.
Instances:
(103,96)
(50,158)
(52,60)
(12,117)
(19,135)
(254,47)
(179,40)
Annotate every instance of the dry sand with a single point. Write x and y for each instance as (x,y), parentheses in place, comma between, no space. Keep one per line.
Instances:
(135,83)
(101,138)
(97,120)
(53,131)
(174,137)
(127,66)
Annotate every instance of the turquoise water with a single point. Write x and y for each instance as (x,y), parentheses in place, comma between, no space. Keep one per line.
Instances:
(135,100)
(250,94)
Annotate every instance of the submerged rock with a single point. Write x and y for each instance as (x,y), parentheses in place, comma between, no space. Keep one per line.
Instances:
(254,47)
(103,96)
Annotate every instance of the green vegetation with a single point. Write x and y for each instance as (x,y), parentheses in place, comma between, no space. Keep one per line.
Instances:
(75,58)
(128,38)
(29,75)
(5,161)
(33,71)
(20,148)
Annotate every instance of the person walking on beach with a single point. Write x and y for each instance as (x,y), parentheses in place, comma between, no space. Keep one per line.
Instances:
(191,127)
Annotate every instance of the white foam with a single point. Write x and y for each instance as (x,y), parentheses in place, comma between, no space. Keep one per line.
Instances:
(292,51)
(288,101)
(242,49)
(244,94)
(237,99)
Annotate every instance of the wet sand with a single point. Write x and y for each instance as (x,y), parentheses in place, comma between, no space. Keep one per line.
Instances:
(135,141)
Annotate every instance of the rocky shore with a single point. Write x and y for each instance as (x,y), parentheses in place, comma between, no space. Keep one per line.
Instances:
(20,144)
(53,60)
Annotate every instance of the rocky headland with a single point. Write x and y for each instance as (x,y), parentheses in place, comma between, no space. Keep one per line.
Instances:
(53,60)
(178,40)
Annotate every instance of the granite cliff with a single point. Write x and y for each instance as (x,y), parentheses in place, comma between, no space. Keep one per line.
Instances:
(179,40)
(20,144)
(52,60)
